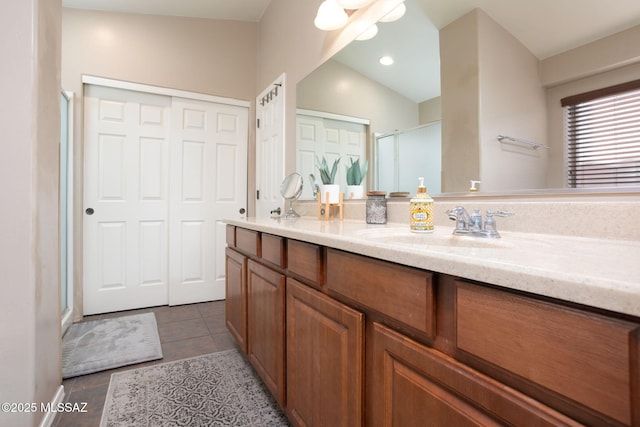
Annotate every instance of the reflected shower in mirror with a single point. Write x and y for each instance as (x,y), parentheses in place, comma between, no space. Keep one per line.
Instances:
(402,157)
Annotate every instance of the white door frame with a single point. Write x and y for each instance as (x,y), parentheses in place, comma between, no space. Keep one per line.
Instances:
(158,90)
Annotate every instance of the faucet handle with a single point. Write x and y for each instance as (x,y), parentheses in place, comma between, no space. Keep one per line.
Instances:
(490,223)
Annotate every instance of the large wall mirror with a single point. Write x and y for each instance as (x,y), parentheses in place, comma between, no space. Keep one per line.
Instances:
(466,74)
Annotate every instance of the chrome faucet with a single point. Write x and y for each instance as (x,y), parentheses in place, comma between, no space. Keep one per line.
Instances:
(473,225)
(461,217)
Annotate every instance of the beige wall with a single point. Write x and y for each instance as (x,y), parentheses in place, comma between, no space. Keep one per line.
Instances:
(606,54)
(29,307)
(490,86)
(336,88)
(214,57)
(460,98)
(512,103)
(199,55)
(430,111)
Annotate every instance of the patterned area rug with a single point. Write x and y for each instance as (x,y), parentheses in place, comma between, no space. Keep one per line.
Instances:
(217,389)
(98,345)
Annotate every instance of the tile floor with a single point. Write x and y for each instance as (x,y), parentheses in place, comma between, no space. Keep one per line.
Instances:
(185,331)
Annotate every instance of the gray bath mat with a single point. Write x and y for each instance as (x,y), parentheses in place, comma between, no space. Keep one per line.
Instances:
(98,345)
(217,389)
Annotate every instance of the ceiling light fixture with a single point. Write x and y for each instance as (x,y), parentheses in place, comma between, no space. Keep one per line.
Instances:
(330,16)
(333,14)
(386,60)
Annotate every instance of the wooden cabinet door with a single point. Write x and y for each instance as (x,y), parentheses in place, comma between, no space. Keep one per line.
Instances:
(324,359)
(413,385)
(236,298)
(265,331)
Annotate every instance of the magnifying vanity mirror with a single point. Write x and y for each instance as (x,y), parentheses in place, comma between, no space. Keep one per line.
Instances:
(465,72)
(291,189)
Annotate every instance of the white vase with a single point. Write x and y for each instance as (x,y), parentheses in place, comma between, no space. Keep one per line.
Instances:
(334,193)
(354,192)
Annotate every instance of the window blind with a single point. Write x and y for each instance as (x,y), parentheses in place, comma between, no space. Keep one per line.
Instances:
(604,136)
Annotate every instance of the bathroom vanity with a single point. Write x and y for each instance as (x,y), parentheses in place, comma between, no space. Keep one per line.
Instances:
(352,324)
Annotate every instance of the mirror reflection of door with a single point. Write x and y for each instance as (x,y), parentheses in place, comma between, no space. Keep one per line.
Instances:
(329,135)
(418,150)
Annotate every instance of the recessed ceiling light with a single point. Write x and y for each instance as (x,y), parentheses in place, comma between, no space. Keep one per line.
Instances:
(386,60)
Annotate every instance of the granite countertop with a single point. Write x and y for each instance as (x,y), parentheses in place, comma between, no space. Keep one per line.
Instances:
(601,273)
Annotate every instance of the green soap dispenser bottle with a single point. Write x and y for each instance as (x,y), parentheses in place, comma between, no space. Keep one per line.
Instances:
(421,210)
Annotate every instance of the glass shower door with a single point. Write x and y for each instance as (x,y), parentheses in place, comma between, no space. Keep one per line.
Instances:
(66,211)
(403,156)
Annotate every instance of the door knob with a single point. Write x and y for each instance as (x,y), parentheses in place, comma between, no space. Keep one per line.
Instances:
(242,211)
(89,211)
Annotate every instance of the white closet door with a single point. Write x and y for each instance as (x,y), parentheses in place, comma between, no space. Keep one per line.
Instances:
(126,173)
(309,144)
(208,184)
(344,140)
(161,173)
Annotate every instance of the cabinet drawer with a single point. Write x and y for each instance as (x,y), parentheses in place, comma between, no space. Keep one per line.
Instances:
(589,358)
(305,261)
(248,241)
(273,249)
(402,293)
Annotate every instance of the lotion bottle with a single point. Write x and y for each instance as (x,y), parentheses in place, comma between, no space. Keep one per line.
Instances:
(421,210)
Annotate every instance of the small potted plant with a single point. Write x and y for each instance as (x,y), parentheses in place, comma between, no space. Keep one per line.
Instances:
(328,177)
(355,176)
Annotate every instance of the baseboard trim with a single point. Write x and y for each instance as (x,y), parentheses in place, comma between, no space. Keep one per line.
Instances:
(49,417)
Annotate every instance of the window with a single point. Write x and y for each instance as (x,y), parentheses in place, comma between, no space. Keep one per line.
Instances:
(604,136)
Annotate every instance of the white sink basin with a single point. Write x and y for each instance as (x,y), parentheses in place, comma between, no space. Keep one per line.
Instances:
(439,238)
